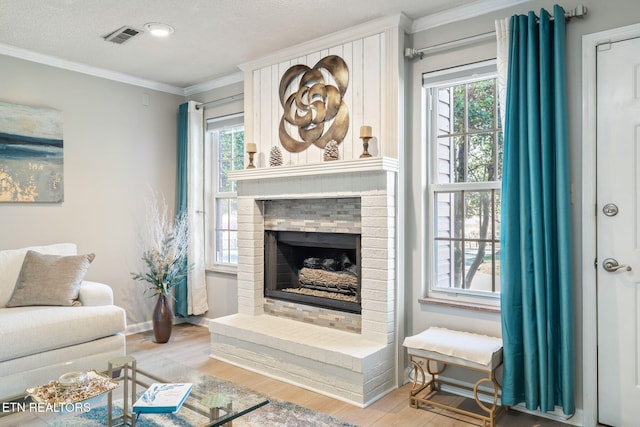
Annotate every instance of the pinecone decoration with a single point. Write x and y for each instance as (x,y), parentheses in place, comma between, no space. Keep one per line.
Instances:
(331,151)
(275,157)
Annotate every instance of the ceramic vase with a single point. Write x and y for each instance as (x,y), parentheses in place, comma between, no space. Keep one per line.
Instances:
(162,319)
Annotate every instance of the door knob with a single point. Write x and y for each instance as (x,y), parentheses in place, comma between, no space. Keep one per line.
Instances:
(611,265)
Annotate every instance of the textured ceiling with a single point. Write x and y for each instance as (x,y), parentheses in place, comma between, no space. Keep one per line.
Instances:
(211,36)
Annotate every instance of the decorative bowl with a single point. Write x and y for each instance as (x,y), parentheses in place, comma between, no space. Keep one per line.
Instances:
(73,379)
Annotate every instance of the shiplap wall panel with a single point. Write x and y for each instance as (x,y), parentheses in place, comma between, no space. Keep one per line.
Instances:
(286,156)
(338,51)
(347,55)
(372,63)
(365,58)
(266,121)
(276,114)
(380,136)
(357,88)
(255,137)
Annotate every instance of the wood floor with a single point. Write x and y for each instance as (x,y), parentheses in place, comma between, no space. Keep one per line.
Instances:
(189,345)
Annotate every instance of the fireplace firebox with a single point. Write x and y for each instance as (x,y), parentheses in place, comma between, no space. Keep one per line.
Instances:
(318,269)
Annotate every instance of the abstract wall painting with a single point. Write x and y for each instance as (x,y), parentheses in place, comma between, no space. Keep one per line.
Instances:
(31,160)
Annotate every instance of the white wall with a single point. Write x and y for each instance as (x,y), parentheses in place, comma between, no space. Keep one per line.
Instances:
(115,151)
(601,16)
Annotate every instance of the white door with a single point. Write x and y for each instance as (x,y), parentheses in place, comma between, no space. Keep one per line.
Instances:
(618,225)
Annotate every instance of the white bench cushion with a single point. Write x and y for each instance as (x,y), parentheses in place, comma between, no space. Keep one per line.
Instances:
(459,347)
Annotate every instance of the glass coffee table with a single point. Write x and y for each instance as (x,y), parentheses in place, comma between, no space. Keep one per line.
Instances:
(211,402)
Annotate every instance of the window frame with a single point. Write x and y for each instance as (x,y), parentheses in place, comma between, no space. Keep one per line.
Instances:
(212,184)
(431,82)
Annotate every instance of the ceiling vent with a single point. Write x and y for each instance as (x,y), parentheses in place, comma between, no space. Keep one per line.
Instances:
(122,35)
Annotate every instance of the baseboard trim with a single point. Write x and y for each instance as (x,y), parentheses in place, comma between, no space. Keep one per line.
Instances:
(200,321)
(137,328)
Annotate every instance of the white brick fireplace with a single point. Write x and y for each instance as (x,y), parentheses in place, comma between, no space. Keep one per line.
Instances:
(347,355)
(357,367)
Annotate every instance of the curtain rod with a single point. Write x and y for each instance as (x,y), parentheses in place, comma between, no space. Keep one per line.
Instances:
(411,53)
(225,100)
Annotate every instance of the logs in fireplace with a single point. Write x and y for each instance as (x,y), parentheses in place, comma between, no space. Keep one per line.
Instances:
(319,269)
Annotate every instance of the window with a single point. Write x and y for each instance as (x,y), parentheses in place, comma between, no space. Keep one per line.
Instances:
(225,149)
(465,150)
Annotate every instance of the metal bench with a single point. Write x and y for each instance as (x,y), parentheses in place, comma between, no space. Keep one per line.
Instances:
(436,348)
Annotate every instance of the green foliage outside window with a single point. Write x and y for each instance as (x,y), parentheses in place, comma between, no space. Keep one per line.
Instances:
(230,156)
(470,126)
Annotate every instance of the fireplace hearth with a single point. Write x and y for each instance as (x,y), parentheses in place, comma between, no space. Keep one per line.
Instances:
(318,269)
(341,354)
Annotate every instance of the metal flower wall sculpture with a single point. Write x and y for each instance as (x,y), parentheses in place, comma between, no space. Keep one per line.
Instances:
(315,108)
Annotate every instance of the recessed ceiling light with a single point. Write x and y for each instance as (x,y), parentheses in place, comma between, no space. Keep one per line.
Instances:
(159,30)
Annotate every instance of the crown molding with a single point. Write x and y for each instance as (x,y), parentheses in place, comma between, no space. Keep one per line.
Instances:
(366,29)
(52,61)
(214,84)
(460,13)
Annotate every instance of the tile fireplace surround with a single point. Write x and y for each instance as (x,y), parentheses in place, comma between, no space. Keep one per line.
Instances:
(357,367)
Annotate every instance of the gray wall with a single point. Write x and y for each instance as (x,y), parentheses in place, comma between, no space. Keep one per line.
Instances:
(601,16)
(116,150)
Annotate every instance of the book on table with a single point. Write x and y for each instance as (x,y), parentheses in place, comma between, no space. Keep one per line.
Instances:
(162,397)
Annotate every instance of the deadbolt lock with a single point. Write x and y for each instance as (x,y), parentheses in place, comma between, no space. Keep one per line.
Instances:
(610,209)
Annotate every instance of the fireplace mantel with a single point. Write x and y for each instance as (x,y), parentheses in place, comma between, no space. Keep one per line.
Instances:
(369,164)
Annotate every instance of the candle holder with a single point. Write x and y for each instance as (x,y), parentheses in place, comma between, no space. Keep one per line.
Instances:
(251,165)
(365,146)
(251,150)
(365,135)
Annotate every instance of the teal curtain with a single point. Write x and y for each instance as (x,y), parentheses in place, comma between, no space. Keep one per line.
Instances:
(536,254)
(181,291)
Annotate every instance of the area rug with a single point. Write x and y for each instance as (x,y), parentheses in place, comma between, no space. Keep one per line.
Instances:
(275,413)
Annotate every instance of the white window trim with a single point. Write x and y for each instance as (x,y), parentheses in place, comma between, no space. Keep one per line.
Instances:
(458,75)
(213,195)
(214,265)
